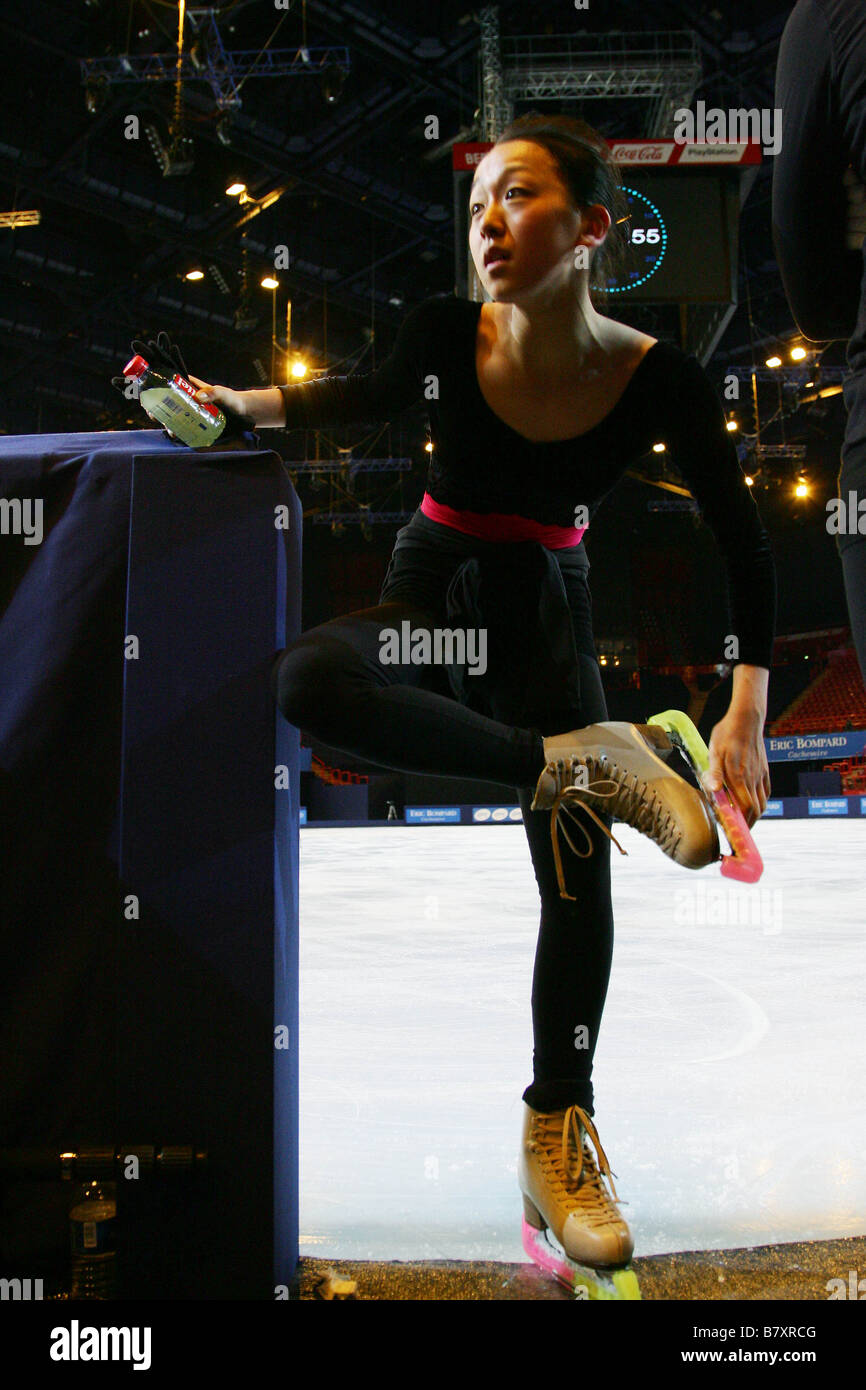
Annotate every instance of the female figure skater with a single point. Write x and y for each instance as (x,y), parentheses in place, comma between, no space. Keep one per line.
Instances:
(537,406)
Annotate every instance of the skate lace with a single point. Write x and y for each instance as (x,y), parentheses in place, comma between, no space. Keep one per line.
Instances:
(571,1167)
(632,802)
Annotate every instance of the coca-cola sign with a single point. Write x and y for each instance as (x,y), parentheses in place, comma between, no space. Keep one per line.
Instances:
(641,151)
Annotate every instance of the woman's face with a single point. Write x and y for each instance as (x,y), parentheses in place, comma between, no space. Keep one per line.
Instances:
(519,206)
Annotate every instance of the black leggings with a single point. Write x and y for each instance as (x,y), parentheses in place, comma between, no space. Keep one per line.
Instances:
(332,684)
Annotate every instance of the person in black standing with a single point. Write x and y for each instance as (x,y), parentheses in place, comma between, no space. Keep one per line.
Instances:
(818,174)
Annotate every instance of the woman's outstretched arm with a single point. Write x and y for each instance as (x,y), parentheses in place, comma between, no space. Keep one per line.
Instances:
(342,400)
(264,409)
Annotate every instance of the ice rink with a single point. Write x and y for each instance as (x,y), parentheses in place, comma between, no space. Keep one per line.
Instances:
(729,1075)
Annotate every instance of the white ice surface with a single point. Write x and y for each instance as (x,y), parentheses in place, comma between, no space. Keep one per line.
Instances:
(730,1075)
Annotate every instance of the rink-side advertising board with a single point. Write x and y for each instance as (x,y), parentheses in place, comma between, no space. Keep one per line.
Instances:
(852,807)
(792,748)
(457,815)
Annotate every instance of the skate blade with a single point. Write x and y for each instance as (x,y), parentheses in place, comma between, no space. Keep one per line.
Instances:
(583,1281)
(744,862)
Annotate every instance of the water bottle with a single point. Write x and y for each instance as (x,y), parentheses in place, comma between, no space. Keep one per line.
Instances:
(93,1237)
(172,403)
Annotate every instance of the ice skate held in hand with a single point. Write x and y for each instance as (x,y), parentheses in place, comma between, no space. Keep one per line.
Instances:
(618,769)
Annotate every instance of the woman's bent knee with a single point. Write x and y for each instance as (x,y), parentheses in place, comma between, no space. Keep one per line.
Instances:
(294,681)
(308,679)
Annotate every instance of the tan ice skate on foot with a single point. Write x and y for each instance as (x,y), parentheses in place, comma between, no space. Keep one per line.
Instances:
(565,1200)
(616,768)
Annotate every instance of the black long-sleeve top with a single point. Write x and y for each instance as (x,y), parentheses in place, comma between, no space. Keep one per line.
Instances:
(821,92)
(481,464)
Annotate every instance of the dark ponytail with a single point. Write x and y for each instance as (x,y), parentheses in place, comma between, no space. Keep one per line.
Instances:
(590,175)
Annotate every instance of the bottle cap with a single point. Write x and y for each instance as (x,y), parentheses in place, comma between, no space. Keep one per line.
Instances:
(136,367)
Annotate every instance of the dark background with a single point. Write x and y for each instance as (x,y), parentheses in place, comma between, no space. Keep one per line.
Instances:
(365,209)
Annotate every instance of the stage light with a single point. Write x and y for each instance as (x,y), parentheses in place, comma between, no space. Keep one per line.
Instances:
(750,482)
(194,275)
(221,282)
(731,425)
(174,160)
(25,217)
(798,353)
(269,283)
(331,82)
(773,362)
(95,94)
(234,190)
(299,367)
(659,448)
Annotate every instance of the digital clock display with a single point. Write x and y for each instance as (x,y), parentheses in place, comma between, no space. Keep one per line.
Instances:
(647,238)
(682,237)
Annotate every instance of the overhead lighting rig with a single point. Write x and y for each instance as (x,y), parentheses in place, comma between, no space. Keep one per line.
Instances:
(29,218)
(224,71)
(219,279)
(175,159)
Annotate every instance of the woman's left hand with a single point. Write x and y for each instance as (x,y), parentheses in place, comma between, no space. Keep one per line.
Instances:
(738,758)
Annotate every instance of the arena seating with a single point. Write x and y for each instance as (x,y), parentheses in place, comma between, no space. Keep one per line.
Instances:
(836,699)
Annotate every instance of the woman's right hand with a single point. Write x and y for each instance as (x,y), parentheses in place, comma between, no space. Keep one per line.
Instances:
(223,396)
